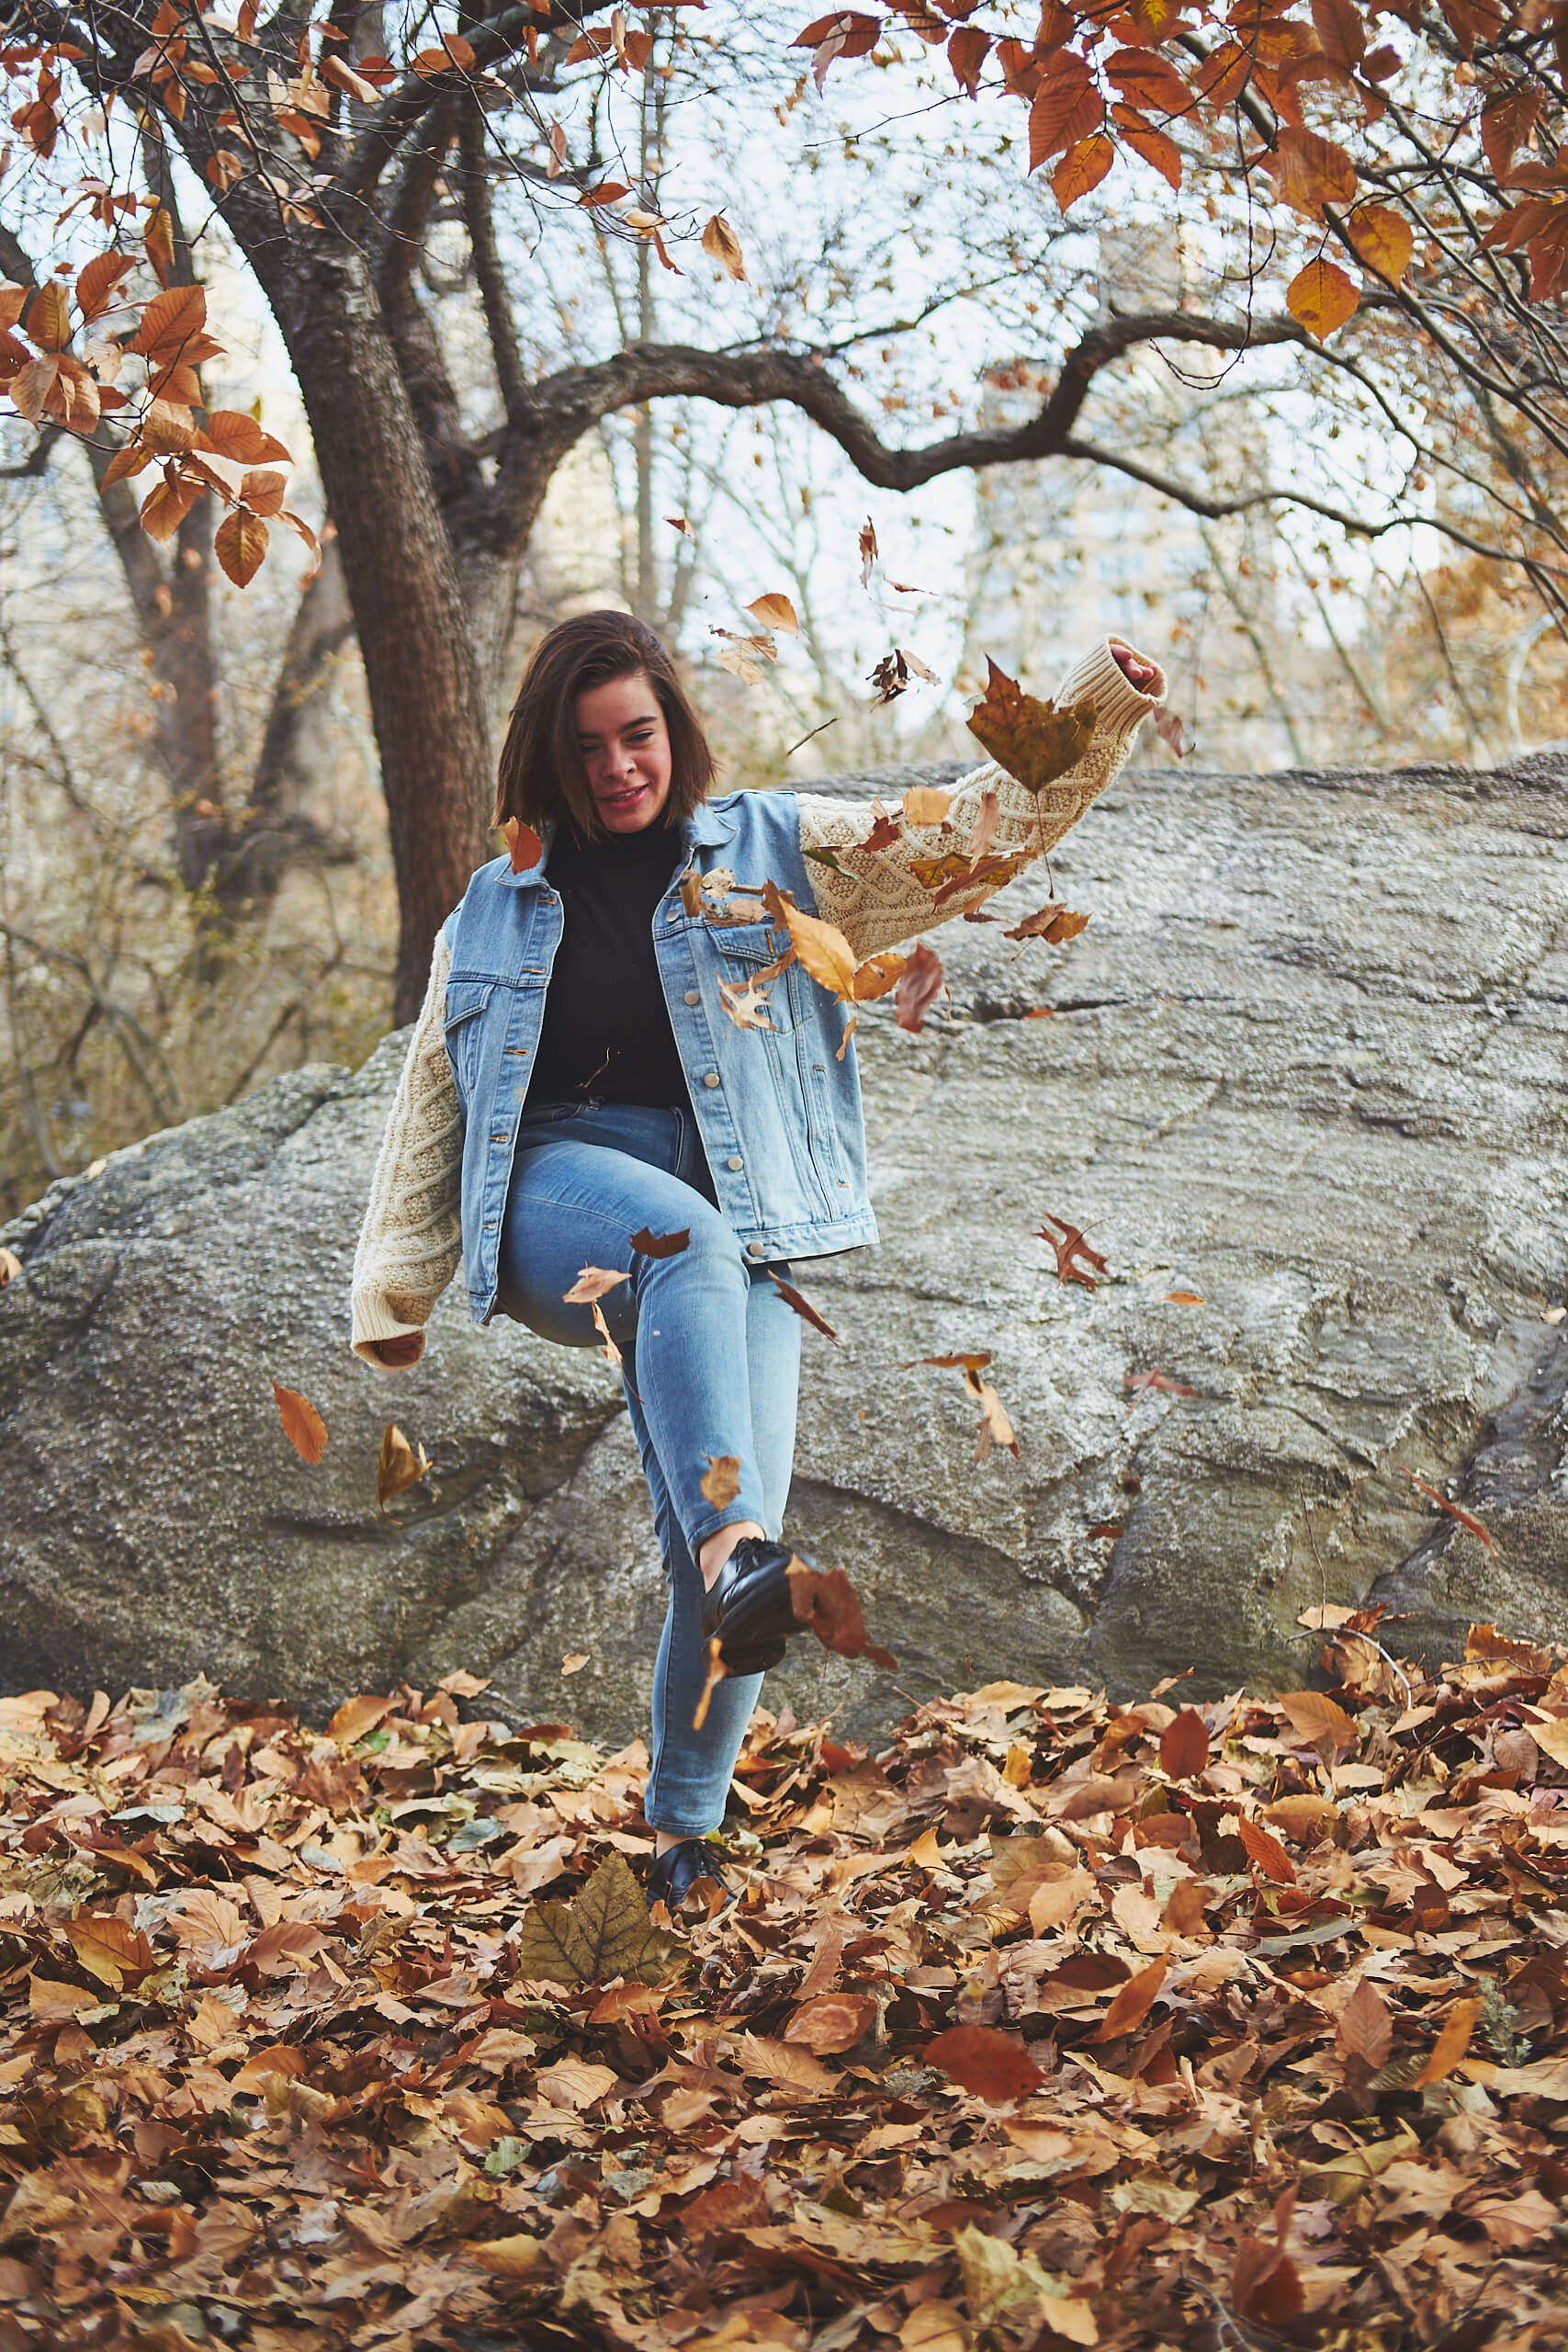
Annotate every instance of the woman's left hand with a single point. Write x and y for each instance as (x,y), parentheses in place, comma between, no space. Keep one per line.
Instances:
(1138,673)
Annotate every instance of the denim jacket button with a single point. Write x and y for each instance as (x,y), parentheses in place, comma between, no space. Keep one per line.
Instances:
(693,996)
(753,1248)
(712,1078)
(735,1163)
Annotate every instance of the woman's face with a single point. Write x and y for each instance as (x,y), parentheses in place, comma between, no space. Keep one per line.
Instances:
(625,746)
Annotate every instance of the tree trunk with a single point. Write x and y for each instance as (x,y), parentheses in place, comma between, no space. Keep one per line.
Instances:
(424,682)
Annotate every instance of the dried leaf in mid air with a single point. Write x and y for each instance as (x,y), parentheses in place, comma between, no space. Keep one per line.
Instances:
(575,1663)
(721,1481)
(985,2063)
(878,975)
(867,551)
(826,1600)
(917,987)
(1032,739)
(987,817)
(925,804)
(522,845)
(803,1308)
(722,245)
(606,1932)
(661,1244)
(302,1425)
(1184,1746)
(994,1429)
(1168,727)
(592,1282)
(1465,1518)
(822,950)
(1073,1252)
(10,1267)
(400,1465)
(679,523)
(775,611)
(1051,922)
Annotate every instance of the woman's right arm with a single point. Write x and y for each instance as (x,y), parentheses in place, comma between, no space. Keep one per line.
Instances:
(412,1239)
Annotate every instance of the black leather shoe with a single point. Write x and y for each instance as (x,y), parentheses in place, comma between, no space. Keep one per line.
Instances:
(672,1874)
(750,1607)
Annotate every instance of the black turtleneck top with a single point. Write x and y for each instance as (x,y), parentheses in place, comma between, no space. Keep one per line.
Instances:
(607,1033)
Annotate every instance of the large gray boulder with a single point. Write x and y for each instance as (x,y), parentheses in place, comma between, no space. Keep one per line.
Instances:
(1306,1064)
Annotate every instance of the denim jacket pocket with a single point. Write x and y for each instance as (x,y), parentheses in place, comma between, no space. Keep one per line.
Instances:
(742,950)
(465,1001)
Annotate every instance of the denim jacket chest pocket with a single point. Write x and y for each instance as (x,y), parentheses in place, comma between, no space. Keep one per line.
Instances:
(741,951)
(466,999)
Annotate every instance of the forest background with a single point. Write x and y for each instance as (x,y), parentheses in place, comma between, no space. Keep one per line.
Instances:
(660,304)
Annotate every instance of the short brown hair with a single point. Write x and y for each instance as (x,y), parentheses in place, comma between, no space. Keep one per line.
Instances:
(541,777)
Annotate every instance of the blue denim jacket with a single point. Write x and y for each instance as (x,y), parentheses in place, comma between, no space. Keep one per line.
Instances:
(778,1112)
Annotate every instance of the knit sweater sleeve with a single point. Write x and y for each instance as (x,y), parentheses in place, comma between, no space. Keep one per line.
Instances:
(412,1238)
(877,898)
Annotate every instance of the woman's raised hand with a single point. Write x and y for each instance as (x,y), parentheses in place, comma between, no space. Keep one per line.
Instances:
(1138,673)
(396,1354)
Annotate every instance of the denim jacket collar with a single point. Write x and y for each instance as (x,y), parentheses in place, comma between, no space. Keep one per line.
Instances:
(710,825)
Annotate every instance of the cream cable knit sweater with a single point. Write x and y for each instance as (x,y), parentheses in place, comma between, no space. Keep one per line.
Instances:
(412,1243)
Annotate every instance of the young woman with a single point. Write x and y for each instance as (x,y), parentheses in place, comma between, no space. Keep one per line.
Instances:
(602,1065)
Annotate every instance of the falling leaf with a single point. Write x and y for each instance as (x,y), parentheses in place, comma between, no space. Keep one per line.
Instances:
(1073,1252)
(1184,1746)
(994,1429)
(399,1467)
(575,1663)
(919,985)
(1168,727)
(823,950)
(10,1267)
(825,1600)
(715,1671)
(1183,1298)
(924,804)
(774,611)
(867,551)
(1450,2045)
(803,1307)
(1132,2002)
(605,1932)
(720,1482)
(1051,922)
(679,523)
(1265,1851)
(302,1425)
(987,2064)
(523,847)
(1033,740)
(720,241)
(592,1282)
(832,2022)
(661,1245)
(747,1004)
(1454,1511)
(1138,1383)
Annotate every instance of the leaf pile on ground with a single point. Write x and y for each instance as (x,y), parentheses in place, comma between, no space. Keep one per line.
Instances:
(1234,2024)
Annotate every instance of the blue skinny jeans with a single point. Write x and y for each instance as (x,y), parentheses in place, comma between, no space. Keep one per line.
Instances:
(711,1366)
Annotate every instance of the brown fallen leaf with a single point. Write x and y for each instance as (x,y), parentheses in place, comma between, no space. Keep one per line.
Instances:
(825,1600)
(1265,1851)
(985,2063)
(884,833)
(1450,2045)
(1466,1519)
(399,1467)
(302,1425)
(593,1281)
(918,983)
(1132,2002)
(1070,1250)
(1033,740)
(1184,1746)
(523,846)
(605,1932)
(926,804)
(803,1307)
(1365,2028)
(720,1482)
(661,1244)
(1320,1719)
(575,1663)
(1051,922)
(832,2022)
